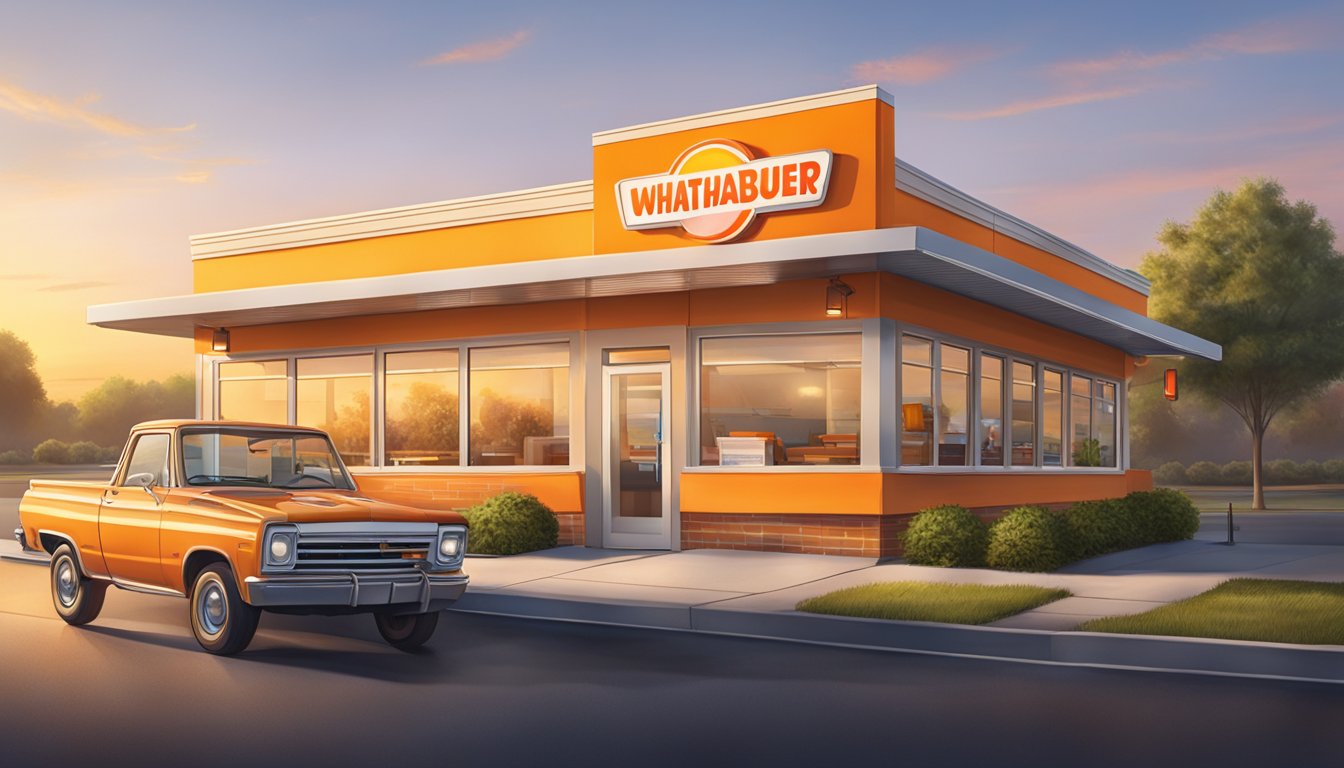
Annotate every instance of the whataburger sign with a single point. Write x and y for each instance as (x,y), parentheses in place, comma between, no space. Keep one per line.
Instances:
(715,188)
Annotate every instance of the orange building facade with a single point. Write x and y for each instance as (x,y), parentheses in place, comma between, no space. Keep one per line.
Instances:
(754,328)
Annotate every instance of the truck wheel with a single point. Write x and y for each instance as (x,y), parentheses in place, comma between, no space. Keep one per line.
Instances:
(407,631)
(78,598)
(222,622)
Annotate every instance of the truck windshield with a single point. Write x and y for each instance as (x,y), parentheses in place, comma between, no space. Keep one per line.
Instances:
(261,458)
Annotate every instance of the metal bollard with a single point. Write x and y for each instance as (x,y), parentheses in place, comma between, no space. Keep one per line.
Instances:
(1230,539)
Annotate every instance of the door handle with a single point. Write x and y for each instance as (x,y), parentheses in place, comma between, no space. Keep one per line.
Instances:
(658,458)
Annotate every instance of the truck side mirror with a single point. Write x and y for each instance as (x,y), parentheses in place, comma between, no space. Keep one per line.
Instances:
(144,480)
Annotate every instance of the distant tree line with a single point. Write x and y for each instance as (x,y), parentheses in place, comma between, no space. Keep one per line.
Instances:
(33,428)
(1193,430)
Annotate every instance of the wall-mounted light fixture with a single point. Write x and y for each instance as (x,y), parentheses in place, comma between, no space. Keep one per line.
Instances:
(1169,384)
(219,341)
(837,297)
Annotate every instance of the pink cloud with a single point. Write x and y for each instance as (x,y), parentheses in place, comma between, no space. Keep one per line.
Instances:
(1015,108)
(1268,37)
(1118,215)
(31,105)
(1297,125)
(919,67)
(486,50)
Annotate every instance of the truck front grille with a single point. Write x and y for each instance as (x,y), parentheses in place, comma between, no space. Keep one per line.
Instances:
(381,553)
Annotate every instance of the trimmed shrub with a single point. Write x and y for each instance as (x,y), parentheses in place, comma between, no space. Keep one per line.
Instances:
(51,451)
(1100,526)
(1030,539)
(1283,472)
(1332,471)
(948,536)
(84,452)
(1204,473)
(1309,471)
(1162,515)
(1236,473)
(1171,473)
(511,523)
(15,457)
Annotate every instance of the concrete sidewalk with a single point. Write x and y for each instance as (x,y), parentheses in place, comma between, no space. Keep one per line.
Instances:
(754,594)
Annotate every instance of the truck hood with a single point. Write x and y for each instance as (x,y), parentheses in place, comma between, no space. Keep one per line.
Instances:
(309,506)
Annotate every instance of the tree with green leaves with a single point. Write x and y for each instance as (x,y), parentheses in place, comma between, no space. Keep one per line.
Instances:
(1260,276)
(23,399)
(107,413)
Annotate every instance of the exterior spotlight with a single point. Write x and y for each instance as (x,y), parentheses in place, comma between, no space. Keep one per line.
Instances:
(219,342)
(1169,384)
(837,297)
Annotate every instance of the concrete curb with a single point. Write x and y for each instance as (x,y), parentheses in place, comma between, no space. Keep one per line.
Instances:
(1080,649)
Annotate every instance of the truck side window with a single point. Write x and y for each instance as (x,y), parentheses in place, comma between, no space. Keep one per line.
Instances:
(150,454)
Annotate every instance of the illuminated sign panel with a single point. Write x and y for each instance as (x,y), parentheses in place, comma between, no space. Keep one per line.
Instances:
(715,189)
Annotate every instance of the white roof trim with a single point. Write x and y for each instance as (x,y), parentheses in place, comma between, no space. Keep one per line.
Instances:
(916,182)
(738,114)
(915,252)
(541,201)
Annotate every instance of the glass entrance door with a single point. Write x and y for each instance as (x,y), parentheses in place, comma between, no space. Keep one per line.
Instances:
(636,490)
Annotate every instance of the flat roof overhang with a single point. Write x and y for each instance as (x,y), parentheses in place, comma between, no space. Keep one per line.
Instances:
(913,252)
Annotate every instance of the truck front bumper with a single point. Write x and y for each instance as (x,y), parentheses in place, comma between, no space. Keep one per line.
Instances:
(423,590)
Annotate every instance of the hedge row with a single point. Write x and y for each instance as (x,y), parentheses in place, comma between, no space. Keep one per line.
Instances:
(1278,471)
(1036,539)
(57,452)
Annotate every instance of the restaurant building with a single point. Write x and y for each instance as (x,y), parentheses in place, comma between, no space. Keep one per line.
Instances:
(754,328)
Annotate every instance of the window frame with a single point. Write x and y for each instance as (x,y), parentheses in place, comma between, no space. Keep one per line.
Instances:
(868,445)
(378,407)
(1008,356)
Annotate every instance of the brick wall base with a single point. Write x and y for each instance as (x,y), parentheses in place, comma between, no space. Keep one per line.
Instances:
(852,535)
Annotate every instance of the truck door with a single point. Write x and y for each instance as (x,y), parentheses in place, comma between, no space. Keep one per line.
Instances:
(129,517)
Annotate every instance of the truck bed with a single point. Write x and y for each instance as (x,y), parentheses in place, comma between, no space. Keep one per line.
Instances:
(69,506)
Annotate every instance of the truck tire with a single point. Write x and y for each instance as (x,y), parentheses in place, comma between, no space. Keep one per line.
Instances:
(222,622)
(78,599)
(406,631)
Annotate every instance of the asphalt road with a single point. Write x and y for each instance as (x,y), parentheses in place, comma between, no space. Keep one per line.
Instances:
(133,687)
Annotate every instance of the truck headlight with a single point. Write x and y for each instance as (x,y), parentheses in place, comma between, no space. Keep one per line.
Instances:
(280,545)
(279,548)
(449,546)
(452,545)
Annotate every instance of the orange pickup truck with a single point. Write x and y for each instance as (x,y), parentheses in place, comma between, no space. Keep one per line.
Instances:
(239,518)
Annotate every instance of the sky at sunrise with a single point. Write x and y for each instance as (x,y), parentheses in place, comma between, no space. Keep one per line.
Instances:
(127,127)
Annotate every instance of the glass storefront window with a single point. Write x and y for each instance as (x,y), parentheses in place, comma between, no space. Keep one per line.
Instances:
(1024,415)
(1103,423)
(797,394)
(990,432)
(519,399)
(916,401)
(333,395)
(953,405)
(421,421)
(1084,449)
(254,391)
(1052,419)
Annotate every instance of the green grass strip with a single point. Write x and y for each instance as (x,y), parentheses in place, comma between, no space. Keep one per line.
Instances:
(932,601)
(1266,610)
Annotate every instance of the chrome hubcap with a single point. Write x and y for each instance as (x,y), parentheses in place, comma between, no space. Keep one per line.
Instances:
(67,585)
(212,609)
